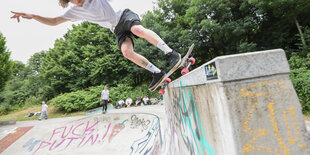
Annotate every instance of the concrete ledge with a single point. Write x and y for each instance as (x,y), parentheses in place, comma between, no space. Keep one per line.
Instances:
(237,67)
(7,122)
(237,104)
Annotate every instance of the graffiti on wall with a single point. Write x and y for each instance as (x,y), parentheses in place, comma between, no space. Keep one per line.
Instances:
(271,130)
(139,122)
(185,121)
(69,136)
(12,137)
(99,131)
(117,129)
(146,143)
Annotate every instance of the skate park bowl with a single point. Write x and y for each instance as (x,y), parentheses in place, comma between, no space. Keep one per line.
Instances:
(134,133)
(242,104)
(235,105)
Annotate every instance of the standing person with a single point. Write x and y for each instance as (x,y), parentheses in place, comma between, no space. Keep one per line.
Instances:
(124,23)
(128,101)
(105,97)
(43,111)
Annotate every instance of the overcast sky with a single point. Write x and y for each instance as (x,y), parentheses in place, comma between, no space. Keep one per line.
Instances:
(29,36)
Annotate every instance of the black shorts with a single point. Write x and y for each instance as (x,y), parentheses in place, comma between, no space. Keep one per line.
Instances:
(122,29)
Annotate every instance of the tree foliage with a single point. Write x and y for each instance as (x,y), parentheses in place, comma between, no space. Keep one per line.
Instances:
(6,66)
(87,56)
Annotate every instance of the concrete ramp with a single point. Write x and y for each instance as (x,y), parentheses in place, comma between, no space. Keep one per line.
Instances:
(233,105)
(131,133)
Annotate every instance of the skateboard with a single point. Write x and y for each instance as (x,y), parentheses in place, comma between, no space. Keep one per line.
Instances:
(185,64)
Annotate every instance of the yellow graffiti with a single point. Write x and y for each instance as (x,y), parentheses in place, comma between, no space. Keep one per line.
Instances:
(276,129)
(289,133)
(246,92)
(258,132)
(296,127)
(292,129)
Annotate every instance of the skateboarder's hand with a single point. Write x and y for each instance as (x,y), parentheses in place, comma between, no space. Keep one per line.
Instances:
(23,15)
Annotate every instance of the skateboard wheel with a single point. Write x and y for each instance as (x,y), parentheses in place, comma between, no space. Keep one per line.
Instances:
(184,71)
(162,92)
(192,60)
(168,80)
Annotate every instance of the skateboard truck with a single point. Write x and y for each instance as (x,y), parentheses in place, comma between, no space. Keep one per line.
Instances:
(185,64)
(191,61)
(162,90)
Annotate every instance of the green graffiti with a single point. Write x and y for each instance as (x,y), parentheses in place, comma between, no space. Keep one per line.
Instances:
(198,134)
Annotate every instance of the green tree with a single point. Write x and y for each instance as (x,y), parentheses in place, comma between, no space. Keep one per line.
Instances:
(6,66)
(86,56)
(217,27)
(35,62)
(287,11)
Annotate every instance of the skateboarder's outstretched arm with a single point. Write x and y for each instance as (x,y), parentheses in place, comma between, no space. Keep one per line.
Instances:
(52,21)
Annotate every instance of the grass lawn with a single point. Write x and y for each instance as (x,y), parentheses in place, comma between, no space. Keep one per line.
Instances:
(307,117)
(52,112)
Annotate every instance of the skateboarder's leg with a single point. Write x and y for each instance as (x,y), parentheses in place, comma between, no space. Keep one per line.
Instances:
(128,52)
(173,57)
(151,37)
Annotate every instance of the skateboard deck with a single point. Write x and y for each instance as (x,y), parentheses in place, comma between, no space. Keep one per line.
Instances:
(183,64)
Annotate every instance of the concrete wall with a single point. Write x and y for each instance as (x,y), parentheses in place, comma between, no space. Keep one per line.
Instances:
(238,104)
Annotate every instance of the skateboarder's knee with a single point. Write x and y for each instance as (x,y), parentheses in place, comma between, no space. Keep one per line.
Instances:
(128,53)
(138,30)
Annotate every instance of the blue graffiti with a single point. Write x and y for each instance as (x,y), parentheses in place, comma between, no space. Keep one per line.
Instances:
(31,144)
(197,132)
(141,146)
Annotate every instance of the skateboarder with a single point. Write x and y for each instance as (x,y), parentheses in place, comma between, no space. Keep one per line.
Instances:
(124,23)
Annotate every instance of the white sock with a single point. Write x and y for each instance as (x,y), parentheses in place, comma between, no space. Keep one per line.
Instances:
(152,68)
(164,47)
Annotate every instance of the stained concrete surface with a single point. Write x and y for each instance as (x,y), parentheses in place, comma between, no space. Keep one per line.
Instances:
(134,130)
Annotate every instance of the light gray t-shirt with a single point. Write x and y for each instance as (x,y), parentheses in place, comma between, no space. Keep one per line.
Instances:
(95,11)
(44,107)
(105,94)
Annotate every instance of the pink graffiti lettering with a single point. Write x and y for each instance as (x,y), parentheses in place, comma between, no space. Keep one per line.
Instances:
(77,136)
(42,145)
(81,142)
(62,136)
(51,148)
(54,132)
(90,129)
(92,139)
(72,138)
(75,129)
(106,132)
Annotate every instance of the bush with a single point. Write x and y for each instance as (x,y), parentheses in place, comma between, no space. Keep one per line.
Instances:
(300,79)
(90,98)
(300,76)
(4,109)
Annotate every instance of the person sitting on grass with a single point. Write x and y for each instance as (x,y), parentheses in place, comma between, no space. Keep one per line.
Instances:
(145,100)
(138,100)
(119,104)
(128,101)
